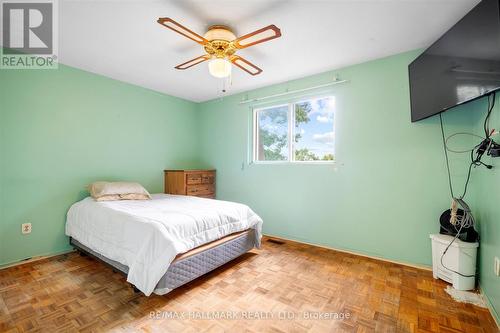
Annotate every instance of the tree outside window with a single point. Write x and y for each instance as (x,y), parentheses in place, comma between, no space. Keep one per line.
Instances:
(296,132)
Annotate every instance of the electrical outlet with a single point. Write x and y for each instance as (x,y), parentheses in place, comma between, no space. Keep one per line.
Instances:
(26,228)
(497,266)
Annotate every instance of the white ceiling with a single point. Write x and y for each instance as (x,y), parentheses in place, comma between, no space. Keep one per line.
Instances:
(121,39)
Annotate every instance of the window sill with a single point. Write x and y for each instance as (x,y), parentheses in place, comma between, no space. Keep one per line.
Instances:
(293,163)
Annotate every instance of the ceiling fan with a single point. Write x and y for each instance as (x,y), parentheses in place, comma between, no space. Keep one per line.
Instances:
(220,45)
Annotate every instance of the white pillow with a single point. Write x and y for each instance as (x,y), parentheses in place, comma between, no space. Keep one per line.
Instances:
(106,191)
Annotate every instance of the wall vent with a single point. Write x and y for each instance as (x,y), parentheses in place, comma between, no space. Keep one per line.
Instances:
(275,241)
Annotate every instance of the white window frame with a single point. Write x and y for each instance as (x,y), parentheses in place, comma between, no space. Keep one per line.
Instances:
(291,127)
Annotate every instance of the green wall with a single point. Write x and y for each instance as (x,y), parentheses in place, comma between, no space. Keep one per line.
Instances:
(62,129)
(486,196)
(387,189)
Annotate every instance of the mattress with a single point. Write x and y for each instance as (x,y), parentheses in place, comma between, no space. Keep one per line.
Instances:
(190,265)
(146,236)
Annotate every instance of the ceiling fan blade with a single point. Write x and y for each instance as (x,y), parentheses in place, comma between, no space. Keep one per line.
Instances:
(180,29)
(245,65)
(258,36)
(193,62)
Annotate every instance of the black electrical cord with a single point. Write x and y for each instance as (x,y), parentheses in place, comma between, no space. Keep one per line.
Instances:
(467,180)
(446,155)
(446,250)
(452,195)
(474,162)
(479,154)
(491,105)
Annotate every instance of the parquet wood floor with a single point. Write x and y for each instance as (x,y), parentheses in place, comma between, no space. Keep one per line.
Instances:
(280,288)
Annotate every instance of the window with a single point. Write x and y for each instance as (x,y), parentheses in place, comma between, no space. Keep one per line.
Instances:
(295,132)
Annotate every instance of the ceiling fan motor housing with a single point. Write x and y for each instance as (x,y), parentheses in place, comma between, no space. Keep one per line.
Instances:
(219,41)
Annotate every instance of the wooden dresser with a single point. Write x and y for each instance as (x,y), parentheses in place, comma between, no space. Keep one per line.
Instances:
(199,183)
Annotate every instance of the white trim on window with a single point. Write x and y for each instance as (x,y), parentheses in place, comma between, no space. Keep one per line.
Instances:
(290,134)
(256,131)
(291,123)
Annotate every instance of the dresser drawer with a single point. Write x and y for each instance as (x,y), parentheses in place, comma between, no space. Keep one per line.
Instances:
(194,182)
(208,178)
(208,196)
(204,189)
(193,178)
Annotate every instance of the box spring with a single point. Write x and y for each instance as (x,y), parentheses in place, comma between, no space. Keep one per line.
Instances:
(192,264)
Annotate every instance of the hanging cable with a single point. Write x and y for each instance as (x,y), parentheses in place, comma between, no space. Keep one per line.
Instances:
(467,220)
(491,105)
(461,151)
(446,155)
(446,250)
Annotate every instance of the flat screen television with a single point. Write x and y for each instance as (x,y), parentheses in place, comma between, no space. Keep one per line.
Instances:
(463,65)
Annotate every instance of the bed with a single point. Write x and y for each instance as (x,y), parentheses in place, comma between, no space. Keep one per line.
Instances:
(165,242)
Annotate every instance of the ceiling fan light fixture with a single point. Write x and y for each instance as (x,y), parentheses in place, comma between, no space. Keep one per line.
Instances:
(219,67)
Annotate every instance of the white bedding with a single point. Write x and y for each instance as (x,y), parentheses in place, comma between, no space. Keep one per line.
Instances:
(146,235)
